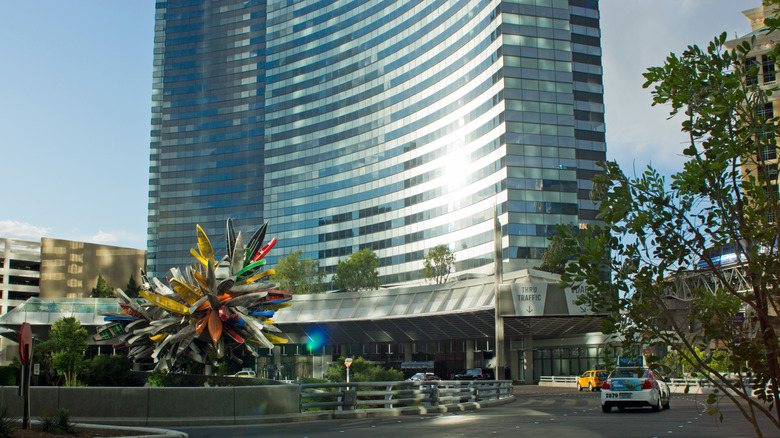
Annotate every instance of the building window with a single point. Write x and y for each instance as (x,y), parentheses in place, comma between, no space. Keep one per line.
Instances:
(751,77)
(771,173)
(767,152)
(768,69)
(766,111)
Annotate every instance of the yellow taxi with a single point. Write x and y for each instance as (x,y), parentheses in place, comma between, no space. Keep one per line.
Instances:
(591,379)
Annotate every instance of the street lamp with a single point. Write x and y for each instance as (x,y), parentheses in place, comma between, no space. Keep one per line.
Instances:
(347,363)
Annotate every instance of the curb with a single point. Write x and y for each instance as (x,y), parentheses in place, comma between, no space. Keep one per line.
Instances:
(140,432)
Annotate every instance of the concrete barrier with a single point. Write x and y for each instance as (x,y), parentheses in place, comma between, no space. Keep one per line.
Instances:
(156,406)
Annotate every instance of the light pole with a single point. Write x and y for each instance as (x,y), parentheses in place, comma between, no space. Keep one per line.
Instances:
(499,278)
(347,363)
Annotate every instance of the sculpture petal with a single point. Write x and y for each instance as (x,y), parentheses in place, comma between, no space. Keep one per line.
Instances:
(204,245)
(215,326)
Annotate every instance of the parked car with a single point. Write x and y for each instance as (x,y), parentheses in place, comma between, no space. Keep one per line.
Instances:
(244,373)
(475,374)
(423,377)
(592,379)
(634,387)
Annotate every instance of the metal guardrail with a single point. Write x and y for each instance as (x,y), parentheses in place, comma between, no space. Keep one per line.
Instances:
(677,382)
(386,395)
(704,383)
(558,379)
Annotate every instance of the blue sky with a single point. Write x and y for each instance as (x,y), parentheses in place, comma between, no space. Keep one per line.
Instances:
(75,105)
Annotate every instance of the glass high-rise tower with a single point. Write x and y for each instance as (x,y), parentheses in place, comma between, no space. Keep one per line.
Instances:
(391,125)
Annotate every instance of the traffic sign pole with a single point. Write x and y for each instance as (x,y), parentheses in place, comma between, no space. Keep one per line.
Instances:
(25,355)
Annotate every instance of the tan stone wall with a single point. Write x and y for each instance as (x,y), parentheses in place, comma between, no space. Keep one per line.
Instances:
(71,269)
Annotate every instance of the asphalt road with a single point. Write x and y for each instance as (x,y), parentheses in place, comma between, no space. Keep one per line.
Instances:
(537,412)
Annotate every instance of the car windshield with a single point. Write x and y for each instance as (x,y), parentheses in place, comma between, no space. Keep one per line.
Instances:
(630,372)
(602,374)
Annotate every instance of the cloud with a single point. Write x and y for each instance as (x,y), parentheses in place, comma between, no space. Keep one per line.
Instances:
(103,237)
(120,238)
(637,133)
(21,230)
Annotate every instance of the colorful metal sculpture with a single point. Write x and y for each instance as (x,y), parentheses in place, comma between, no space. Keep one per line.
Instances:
(207,307)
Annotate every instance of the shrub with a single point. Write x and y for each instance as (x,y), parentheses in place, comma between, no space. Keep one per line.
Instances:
(8,424)
(362,370)
(312,380)
(161,379)
(109,370)
(58,423)
(9,375)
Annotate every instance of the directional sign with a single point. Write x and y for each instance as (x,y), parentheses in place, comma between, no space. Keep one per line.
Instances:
(529,298)
(572,294)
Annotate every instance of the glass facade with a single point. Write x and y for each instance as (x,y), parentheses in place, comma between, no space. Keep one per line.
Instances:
(206,160)
(389,125)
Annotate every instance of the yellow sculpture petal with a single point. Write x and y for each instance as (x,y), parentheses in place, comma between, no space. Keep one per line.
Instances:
(277,306)
(189,295)
(204,245)
(195,254)
(256,277)
(275,339)
(202,280)
(166,303)
(159,338)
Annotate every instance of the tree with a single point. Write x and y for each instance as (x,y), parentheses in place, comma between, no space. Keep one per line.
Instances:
(359,271)
(102,289)
(362,370)
(680,364)
(299,276)
(555,257)
(436,264)
(66,345)
(655,232)
(109,370)
(132,288)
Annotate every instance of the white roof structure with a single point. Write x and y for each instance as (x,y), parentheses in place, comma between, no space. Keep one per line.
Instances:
(453,310)
(533,304)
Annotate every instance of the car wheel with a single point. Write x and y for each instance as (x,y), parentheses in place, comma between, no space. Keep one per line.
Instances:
(592,387)
(666,405)
(606,409)
(579,388)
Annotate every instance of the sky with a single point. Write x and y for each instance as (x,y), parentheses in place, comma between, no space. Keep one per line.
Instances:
(75,106)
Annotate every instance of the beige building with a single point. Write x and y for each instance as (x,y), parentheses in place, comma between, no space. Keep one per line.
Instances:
(62,268)
(54,268)
(71,269)
(765,76)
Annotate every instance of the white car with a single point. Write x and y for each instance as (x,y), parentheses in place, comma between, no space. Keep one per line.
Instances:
(423,377)
(634,387)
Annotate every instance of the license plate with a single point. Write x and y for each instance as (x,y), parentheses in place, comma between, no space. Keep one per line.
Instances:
(626,395)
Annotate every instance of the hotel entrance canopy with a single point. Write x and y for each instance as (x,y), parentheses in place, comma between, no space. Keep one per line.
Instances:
(534,305)
(463,309)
